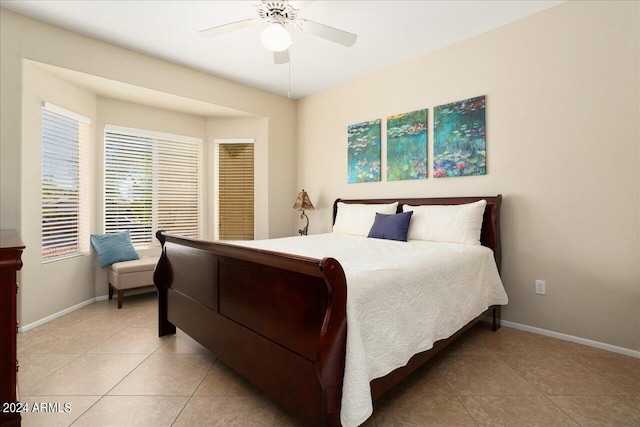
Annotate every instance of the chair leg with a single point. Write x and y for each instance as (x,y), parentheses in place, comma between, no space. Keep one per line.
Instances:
(110,291)
(120,297)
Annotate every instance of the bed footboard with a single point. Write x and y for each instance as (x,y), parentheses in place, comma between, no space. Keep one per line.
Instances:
(278,320)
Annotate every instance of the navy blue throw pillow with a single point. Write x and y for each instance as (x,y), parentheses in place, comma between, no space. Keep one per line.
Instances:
(391,227)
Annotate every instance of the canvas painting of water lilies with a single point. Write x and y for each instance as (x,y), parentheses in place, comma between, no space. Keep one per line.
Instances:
(459,147)
(407,146)
(364,152)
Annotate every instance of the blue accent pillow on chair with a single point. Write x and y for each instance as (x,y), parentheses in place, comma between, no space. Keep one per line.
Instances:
(391,227)
(114,247)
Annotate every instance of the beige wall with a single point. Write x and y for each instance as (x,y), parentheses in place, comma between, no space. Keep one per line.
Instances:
(563,126)
(563,130)
(26,38)
(10,128)
(54,286)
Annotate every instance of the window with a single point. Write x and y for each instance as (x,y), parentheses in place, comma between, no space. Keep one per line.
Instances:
(65,136)
(152,181)
(234,189)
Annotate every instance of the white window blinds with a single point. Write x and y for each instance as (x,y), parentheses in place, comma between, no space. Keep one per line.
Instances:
(128,189)
(234,165)
(65,136)
(152,182)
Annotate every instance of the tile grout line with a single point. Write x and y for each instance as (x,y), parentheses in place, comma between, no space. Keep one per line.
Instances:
(194,391)
(78,355)
(597,375)
(48,375)
(500,357)
(74,359)
(591,371)
(132,369)
(562,410)
(541,393)
(125,376)
(87,410)
(437,370)
(546,396)
(467,409)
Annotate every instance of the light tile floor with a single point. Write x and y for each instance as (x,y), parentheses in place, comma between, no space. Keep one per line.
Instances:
(111,369)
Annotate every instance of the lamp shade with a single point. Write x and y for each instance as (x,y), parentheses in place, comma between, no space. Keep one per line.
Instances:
(276,38)
(303,203)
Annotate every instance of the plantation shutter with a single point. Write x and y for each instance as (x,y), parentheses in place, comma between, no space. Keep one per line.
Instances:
(235,190)
(152,182)
(64,137)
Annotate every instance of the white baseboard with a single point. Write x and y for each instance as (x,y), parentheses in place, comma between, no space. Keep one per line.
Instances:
(571,338)
(552,334)
(44,320)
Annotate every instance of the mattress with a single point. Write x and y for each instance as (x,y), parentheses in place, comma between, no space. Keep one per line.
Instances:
(401,298)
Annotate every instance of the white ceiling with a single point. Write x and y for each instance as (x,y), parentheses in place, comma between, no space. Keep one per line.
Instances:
(388,32)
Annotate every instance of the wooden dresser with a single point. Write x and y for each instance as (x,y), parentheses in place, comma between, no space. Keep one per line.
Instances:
(11,248)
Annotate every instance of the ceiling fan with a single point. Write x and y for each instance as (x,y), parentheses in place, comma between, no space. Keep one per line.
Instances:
(279,15)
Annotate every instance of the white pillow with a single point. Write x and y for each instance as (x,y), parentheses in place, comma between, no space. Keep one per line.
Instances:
(450,223)
(357,219)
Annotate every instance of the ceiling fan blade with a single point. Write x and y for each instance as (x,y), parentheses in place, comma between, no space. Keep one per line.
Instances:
(281,57)
(227,28)
(329,33)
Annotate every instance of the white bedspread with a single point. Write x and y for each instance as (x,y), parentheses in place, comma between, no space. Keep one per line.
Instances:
(401,298)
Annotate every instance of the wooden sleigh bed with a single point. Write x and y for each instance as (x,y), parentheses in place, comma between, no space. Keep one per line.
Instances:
(279,320)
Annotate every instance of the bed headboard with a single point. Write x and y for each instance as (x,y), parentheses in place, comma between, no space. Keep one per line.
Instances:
(490,235)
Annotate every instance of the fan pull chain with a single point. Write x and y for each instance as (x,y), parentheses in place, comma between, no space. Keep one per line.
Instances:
(289,65)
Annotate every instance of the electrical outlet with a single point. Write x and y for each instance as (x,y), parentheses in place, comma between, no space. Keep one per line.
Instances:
(540,287)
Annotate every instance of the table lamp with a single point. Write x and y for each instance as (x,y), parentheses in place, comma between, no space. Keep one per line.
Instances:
(302,203)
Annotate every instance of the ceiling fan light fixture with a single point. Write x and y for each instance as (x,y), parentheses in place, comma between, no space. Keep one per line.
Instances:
(276,38)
